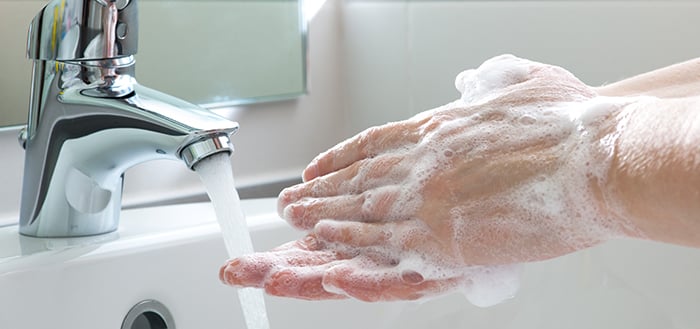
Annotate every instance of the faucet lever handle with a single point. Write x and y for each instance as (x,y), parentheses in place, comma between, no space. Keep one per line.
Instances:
(83,30)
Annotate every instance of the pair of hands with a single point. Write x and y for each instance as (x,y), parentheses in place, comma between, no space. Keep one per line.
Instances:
(512,172)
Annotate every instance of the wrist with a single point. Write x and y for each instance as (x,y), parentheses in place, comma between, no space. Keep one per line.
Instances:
(601,123)
(654,178)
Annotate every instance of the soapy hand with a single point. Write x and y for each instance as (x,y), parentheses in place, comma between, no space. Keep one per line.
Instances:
(512,172)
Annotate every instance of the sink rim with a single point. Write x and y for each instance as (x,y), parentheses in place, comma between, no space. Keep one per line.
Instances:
(166,225)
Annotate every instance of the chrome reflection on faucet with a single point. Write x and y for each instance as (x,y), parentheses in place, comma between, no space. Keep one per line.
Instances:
(89,120)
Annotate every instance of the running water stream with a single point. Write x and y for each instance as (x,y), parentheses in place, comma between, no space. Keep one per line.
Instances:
(215,172)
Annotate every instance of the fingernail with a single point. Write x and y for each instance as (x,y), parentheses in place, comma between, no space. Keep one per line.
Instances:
(412,277)
(227,272)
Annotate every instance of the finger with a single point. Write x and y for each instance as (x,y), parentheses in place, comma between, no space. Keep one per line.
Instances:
(370,206)
(326,186)
(384,283)
(355,234)
(411,234)
(294,269)
(361,176)
(367,144)
(301,279)
(246,271)
(254,269)
(300,282)
(306,213)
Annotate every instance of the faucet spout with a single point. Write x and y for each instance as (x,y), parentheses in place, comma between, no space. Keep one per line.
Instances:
(81,141)
(89,121)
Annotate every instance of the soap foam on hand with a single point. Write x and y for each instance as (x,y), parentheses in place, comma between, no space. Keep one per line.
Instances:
(561,195)
(483,286)
(556,208)
(478,85)
(491,285)
(386,273)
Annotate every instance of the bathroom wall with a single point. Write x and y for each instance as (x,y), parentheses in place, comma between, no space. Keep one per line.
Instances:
(401,57)
(15,17)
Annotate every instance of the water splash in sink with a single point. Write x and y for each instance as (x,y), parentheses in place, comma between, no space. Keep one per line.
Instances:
(215,172)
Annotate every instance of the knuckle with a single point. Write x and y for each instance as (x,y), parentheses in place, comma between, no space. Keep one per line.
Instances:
(435,122)
(382,167)
(354,179)
(376,204)
(366,139)
(376,138)
(320,187)
(327,161)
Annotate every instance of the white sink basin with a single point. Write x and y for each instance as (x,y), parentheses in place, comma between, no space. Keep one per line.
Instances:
(172,254)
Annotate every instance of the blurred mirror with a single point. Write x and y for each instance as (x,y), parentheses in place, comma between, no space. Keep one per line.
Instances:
(223,52)
(214,53)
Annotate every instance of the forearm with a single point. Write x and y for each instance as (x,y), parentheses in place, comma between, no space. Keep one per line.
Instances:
(679,80)
(655,174)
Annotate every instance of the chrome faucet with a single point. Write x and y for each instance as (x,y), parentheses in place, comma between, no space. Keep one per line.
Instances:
(89,120)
